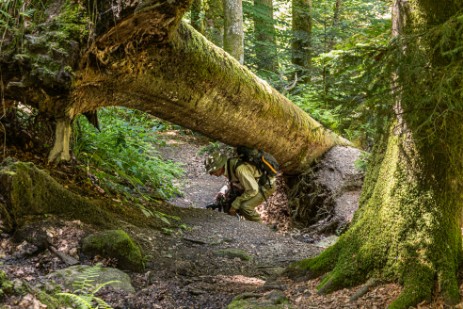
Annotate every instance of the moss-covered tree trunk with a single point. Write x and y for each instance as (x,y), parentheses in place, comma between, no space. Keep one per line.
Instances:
(408,226)
(189,81)
(146,58)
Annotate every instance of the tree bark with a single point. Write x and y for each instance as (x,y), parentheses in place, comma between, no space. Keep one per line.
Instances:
(264,29)
(196,15)
(219,98)
(302,33)
(215,22)
(336,18)
(233,41)
(407,228)
(330,42)
(152,62)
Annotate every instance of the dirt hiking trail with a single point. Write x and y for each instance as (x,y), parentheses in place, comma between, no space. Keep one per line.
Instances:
(214,259)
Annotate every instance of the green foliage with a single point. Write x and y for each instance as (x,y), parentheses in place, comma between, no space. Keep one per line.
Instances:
(20,17)
(84,295)
(309,102)
(347,82)
(352,95)
(123,155)
(6,286)
(362,162)
(43,37)
(72,22)
(12,22)
(165,218)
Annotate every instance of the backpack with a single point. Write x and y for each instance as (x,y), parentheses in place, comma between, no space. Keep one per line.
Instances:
(262,160)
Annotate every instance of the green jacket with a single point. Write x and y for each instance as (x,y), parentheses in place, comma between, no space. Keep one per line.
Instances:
(247,175)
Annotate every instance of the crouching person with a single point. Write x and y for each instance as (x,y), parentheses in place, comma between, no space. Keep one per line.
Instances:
(245,176)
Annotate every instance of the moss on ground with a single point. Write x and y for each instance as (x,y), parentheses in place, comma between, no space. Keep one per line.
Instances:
(115,244)
(30,193)
(6,286)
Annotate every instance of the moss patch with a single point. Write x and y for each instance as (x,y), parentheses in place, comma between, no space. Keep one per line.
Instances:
(6,286)
(31,193)
(115,244)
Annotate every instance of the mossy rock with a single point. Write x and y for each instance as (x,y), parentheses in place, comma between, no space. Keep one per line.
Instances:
(234,253)
(31,192)
(98,275)
(115,244)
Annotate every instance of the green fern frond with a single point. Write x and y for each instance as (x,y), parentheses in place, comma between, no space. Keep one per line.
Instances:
(102,285)
(81,301)
(84,295)
(101,303)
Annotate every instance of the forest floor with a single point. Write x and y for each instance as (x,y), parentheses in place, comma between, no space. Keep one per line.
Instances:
(213,259)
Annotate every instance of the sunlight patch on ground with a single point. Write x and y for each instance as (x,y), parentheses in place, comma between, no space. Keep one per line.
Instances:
(239,279)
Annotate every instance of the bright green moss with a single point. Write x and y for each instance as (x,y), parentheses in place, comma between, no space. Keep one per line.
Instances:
(115,244)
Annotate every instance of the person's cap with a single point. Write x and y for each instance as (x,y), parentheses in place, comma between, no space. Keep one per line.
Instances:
(214,162)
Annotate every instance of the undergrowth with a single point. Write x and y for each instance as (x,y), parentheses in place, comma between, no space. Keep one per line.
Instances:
(84,295)
(123,156)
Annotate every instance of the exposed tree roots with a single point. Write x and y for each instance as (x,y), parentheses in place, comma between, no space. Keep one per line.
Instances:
(344,268)
(61,149)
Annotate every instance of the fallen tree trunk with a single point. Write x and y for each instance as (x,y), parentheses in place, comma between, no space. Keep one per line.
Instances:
(191,82)
(144,57)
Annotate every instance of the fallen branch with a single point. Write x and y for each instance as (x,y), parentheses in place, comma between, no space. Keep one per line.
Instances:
(364,289)
(67,259)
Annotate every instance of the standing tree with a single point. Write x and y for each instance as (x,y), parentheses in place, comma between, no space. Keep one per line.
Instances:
(233,41)
(213,12)
(264,29)
(330,41)
(336,19)
(407,228)
(197,20)
(302,32)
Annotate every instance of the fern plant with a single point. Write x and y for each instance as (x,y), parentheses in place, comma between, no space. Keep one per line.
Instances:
(84,295)
(123,155)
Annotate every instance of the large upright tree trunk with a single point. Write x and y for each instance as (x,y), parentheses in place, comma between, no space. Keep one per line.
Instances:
(330,42)
(302,33)
(233,41)
(408,224)
(264,29)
